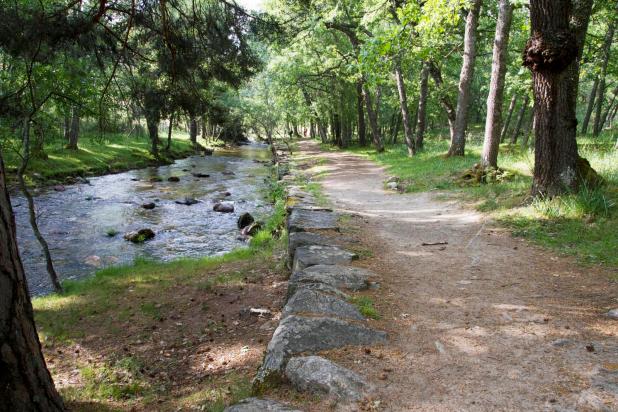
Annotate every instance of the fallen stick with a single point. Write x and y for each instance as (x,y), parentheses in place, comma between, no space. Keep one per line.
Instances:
(434,243)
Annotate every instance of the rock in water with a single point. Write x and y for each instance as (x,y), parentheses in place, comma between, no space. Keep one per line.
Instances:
(259,405)
(252,229)
(317,375)
(59,188)
(223,207)
(173,179)
(245,220)
(149,206)
(187,201)
(200,175)
(140,236)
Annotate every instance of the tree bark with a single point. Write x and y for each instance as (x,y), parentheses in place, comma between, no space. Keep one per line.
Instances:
(153,133)
(193,130)
(373,120)
(170,128)
(520,119)
(552,53)
(25,383)
(605,116)
(74,130)
(590,108)
(491,144)
(509,116)
(421,113)
(447,105)
(607,46)
(405,115)
(362,128)
(458,140)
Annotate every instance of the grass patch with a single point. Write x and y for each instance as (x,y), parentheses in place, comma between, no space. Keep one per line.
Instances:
(365,306)
(581,224)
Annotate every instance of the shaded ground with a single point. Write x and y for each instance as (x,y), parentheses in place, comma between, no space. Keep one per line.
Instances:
(478,320)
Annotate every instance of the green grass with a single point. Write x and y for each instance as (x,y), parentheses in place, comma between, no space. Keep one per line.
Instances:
(365,306)
(583,224)
(96,155)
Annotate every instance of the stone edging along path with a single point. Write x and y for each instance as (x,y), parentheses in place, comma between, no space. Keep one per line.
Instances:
(317,315)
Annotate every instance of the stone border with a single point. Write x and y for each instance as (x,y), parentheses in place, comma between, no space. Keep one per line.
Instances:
(317,315)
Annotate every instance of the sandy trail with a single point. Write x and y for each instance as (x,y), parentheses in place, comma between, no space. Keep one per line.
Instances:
(486,322)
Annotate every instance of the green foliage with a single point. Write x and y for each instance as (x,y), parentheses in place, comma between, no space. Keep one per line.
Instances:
(365,306)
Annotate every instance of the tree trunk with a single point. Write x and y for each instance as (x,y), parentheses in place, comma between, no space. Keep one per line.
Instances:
(607,45)
(373,120)
(170,128)
(25,383)
(337,130)
(421,113)
(405,115)
(67,127)
(153,133)
(509,116)
(458,140)
(552,53)
(436,75)
(520,119)
(362,128)
(609,109)
(74,130)
(590,108)
(193,130)
(491,144)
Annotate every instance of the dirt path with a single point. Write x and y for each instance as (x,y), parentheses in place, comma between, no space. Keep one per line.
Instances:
(486,322)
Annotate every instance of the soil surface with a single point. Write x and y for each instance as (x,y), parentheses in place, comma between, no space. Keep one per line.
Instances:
(478,320)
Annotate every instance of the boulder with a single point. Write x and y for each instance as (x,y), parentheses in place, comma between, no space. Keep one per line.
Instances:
(307,220)
(298,239)
(173,179)
(252,229)
(320,376)
(299,334)
(311,301)
(149,206)
(245,220)
(259,405)
(155,179)
(306,256)
(223,207)
(59,188)
(187,201)
(335,276)
(140,236)
(318,287)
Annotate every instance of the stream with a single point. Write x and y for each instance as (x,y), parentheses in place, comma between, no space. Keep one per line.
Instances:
(75,222)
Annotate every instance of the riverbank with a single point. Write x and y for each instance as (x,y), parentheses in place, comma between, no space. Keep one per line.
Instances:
(166,336)
(582,225)
(97,155)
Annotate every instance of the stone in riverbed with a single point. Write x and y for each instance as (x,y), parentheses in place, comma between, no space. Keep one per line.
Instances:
(317,303)
(306,220)
(252,229)
(173,179)
(299,334)
(245,220)
(306,256)
(317,375)
(335,276)
(149,206)
(140,236)
(259,405)
(200,175)
(223,207)
(187,201)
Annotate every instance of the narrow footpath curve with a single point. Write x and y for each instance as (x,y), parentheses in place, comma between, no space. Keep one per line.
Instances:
(486,322)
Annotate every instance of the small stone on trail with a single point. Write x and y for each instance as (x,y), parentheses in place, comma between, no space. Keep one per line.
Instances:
(613,313)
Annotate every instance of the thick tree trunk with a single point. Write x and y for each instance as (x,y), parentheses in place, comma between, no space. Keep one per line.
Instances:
(607,46)
(491,144)
(552,53)
(458,140)
(590,108)
(170,128)
(193,130)
(610,107)
(421,113)
(362,128)
(25,382)
(447,105)
(74,130)
(373,120)
(520,119)
(509,116)
(66,127)
(153,133)
(405,115)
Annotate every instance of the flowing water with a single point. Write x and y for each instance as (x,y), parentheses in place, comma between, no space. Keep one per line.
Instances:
(76,221)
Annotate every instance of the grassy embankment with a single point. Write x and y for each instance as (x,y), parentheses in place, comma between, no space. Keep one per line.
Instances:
(584,224)
(164,336)
(97,155)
